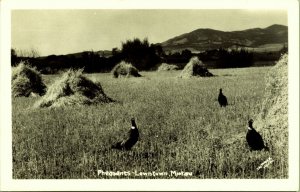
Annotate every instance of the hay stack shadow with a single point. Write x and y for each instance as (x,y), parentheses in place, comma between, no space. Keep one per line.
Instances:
(26,81)
(73,89)
(195,68)
(124,69)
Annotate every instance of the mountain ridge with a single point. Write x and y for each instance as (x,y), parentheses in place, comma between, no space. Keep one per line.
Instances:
(206,39)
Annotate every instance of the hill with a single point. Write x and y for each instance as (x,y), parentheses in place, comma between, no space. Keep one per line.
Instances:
(272,37)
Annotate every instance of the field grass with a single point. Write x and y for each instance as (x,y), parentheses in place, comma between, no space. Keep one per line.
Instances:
(182,128)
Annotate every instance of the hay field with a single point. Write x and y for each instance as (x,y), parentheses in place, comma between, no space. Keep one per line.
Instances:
(182,129)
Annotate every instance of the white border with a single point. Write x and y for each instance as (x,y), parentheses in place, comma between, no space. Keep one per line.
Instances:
(291,184)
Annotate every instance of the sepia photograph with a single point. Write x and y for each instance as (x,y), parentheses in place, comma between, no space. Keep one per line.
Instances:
(107,93)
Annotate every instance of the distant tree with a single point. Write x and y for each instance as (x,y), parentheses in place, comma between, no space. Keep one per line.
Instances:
(14,57)
(234,58)
(158,50)
(115,51)
(139,53)
(178,57)
(186,53)
(89,60)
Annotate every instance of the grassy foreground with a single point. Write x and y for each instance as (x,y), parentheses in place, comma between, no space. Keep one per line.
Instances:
(184,133)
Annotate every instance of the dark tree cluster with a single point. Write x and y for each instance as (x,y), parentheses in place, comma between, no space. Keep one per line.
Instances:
(178,58)
(217,58)
(14,58)
(234,58)
(90,61)
(139,53)
(222,58)
(142,55)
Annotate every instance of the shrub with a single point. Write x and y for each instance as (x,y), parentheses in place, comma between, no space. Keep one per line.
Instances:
(26,80)
(124,69)
(73,89)
(195,67)
(167,67)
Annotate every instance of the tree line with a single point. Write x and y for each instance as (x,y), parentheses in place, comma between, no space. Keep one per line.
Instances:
(142,54)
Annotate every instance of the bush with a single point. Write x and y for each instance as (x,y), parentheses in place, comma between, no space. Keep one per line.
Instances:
(195,67)
(26,80)
(124,69)
(73,89)
(167,67)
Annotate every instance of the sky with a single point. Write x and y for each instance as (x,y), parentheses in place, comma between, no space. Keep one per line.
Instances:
(70,31)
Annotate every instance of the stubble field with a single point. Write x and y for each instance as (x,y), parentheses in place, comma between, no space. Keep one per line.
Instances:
(182,129)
